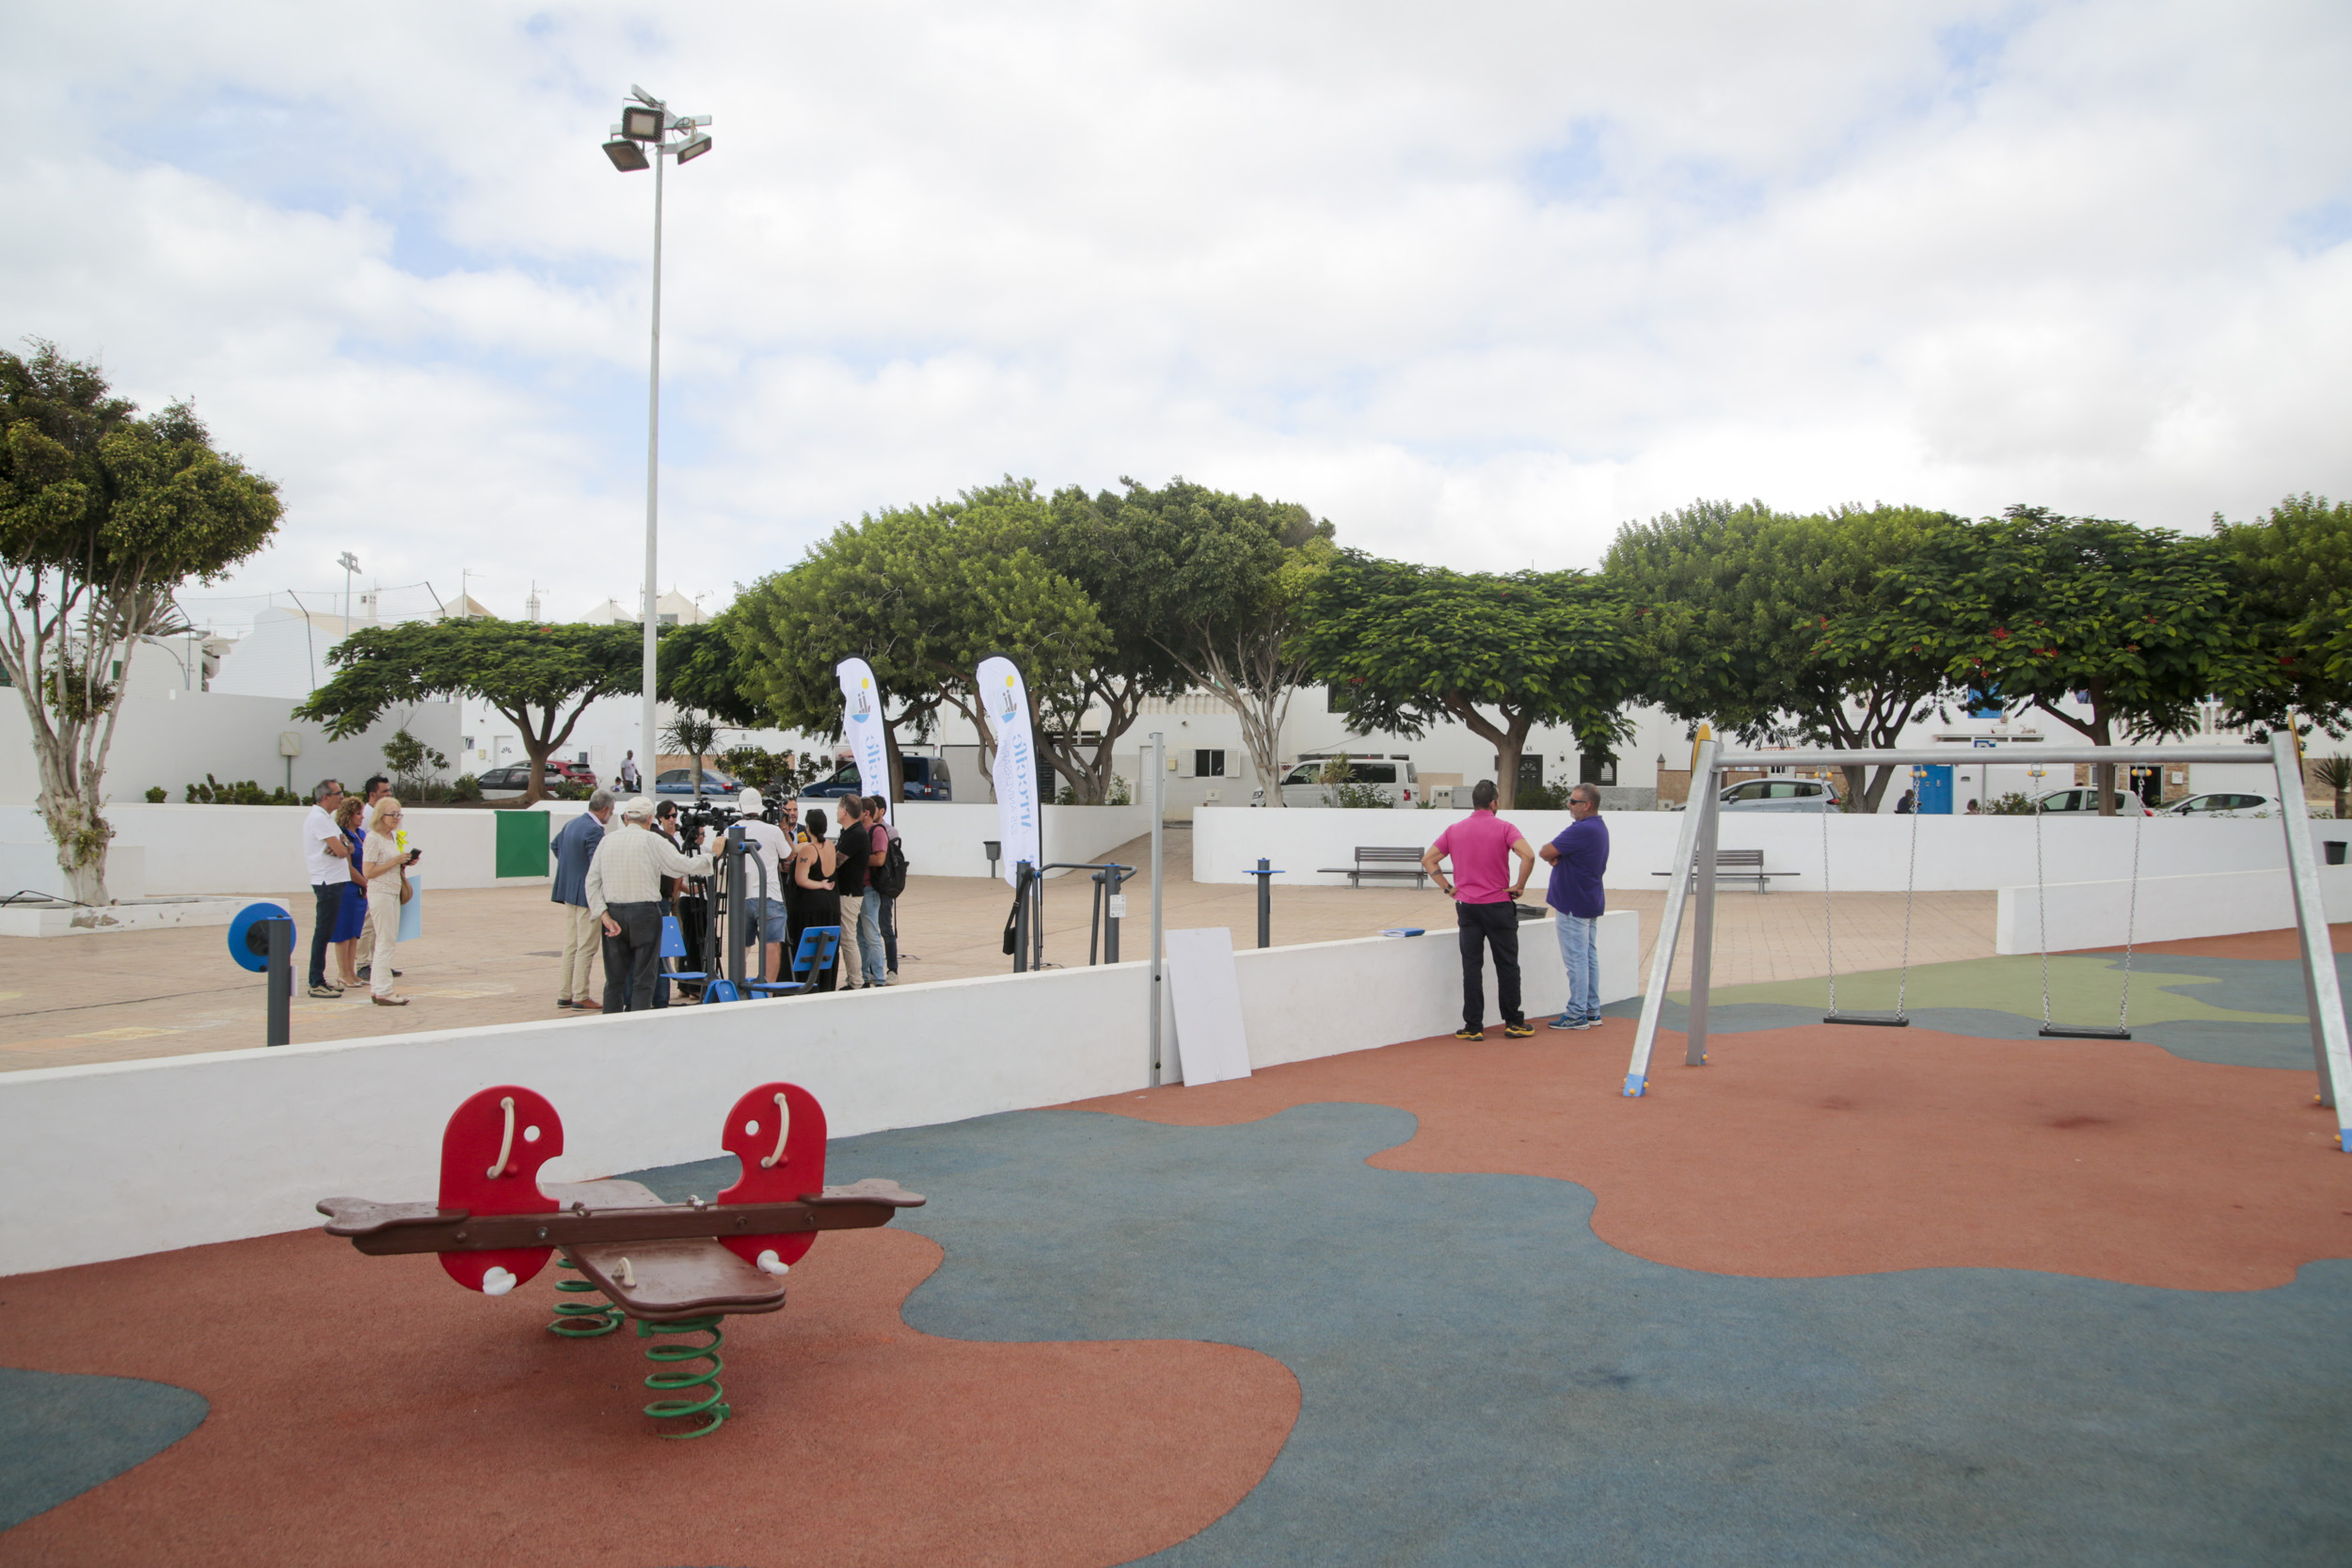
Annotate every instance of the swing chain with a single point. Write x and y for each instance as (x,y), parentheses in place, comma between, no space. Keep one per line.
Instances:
(1829,950)
(1910,889)
(2041,914)
(2131,916)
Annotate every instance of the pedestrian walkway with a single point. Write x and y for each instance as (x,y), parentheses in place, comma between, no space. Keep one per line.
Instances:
(488,955)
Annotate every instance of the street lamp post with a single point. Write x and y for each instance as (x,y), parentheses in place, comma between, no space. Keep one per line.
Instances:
(649,127)
(350,564)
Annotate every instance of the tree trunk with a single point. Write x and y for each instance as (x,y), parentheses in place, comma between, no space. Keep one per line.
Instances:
(1508,743)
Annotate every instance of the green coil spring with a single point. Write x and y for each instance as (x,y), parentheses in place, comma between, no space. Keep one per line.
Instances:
(675,1382)
(581,1319)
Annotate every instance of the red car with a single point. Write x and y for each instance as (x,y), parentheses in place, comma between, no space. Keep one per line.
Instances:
(574,772)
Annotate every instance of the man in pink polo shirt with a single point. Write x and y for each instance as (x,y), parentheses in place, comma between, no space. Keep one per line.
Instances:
(1485,909)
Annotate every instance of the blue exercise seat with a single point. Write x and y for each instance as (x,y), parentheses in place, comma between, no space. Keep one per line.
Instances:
(817,945)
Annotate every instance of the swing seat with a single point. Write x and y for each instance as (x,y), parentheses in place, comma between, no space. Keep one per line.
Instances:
(1883,1021)
(2083,1032)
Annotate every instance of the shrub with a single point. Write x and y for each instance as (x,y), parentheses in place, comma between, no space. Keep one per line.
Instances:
(466,787)
(244,792)
(157,795)
(1545,797)
(416,768)
(2012,804)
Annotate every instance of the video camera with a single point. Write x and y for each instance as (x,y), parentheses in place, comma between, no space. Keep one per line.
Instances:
(717,813)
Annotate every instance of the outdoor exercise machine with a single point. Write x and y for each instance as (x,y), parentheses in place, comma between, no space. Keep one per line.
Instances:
(1694,870)
(677,1270)
(262,940)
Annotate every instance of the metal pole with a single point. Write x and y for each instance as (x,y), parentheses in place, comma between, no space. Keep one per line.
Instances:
(1265,902)
(1113,902)
(1670,923)
(733,862)
(653,468)
(281,938)
(2331,1047)
(1094,924)
(1159,880)
(1020,917)
(1703,931)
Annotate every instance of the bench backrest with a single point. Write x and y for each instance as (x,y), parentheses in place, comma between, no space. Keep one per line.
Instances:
(1365,853)
(1740,857)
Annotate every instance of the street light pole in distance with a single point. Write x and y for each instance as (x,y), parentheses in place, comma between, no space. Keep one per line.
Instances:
(647,127)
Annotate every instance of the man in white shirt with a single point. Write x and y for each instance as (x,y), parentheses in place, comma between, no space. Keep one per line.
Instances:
(628,780)
(326,861)
(764,917)
(625,893)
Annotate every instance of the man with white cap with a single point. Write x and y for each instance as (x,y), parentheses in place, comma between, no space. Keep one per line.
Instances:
(625,894)
(764,916)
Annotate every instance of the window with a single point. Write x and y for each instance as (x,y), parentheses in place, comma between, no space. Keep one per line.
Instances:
(1371,772)
(1531,770)
(1208,764)
(1754,789)
(1595,768)
(669,620)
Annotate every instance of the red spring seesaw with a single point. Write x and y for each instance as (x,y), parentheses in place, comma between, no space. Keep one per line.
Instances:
(674,1269)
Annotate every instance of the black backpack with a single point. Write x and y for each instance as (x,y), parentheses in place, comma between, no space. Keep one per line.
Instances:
(890,878)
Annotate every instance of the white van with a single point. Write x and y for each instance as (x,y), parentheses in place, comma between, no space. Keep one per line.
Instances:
(1303,785)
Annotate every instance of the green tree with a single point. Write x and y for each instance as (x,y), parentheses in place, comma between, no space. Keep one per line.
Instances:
(102,516)
(539,678)
(2053,613)
(2293,572)
(1218,582)
(1406,646)
(694,734)
(922,594)
(1731,602)
(699,667)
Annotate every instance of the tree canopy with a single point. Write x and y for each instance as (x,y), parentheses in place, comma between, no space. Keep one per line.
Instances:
(102,516)
(1732,603)
(540,678)
(2293,572)
(1407,646)
(2135,624)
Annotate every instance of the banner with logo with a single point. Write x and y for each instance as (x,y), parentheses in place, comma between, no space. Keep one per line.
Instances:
(1006,697)
(862,721)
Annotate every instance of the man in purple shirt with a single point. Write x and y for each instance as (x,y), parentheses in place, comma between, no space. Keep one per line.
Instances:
(1485,911)
(1577,858)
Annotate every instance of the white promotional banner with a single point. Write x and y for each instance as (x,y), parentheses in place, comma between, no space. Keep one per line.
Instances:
(1006,696)
(862,721)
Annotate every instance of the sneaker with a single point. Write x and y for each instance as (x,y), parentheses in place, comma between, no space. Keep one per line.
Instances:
(1470,1034)
(1519,1031)
(325,992)
(1564,1021)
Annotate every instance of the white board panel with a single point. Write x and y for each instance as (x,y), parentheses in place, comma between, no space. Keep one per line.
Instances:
(1211,1043)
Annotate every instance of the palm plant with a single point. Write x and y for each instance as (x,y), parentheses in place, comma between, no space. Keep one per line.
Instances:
(2335,773)
(693,734)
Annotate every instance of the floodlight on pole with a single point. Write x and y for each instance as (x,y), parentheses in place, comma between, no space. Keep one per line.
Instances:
(350,564)
(647,134)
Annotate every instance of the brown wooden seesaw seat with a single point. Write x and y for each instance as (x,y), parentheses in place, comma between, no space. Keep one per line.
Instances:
(677,1269)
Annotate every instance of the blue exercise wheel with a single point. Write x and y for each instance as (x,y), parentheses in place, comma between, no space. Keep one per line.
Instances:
(249,944)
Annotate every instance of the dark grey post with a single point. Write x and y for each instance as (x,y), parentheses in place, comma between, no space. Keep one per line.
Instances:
(1094,924)
(1265,902)
(733,860)
(281,936)
(1110,913)
(1020,918)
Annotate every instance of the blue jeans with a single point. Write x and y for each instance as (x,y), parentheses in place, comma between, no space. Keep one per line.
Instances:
(1581,956)
(869,938)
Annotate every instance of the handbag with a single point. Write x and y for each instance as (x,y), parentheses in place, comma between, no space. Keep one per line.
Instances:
(406,892)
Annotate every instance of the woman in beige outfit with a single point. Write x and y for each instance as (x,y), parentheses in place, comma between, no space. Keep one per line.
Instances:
(383,865)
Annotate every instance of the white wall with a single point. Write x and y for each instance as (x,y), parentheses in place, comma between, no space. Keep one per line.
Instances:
(173,737)
(258,849)
(123,1158)
(943,838)
(2105,914)
(1865,854)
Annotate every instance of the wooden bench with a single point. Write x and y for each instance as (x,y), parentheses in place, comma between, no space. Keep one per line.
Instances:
(1376,860)
(1739,865)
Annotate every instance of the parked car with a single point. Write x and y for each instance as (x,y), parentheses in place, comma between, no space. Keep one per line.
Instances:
(1779,794)
(680,781)
(922,778)
(2225,804)
(2085,802)
(575,772)
(1303,785)
(504,783)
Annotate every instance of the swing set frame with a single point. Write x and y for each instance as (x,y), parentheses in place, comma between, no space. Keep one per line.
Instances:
(1692,886)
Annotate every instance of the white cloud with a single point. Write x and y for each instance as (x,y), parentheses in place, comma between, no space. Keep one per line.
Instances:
(1478,283)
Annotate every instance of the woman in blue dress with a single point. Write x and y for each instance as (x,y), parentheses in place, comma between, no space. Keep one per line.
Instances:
(352,919)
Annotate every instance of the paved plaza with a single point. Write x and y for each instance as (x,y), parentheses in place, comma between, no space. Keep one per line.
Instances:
(488,956)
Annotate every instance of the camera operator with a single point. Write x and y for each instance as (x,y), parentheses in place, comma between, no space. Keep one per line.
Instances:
(765,916)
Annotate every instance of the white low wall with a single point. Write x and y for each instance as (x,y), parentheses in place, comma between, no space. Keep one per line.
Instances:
(1865,854)
(132,1156)
(2168,909)
(183,850)
(33,868)
(944,838)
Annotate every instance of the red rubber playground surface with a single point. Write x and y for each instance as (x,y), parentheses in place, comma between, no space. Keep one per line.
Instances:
(366,1411)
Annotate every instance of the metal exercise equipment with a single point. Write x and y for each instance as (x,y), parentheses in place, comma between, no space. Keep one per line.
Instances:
(1266,872)
(1694,870)
(262,940)
(677,1270)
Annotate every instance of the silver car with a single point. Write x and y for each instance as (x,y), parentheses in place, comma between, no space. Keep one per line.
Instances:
(1303,785)
(1779,794)
(2085,802)
(2225,804)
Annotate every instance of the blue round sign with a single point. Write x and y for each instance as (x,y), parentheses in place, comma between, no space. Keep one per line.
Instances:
(247,942)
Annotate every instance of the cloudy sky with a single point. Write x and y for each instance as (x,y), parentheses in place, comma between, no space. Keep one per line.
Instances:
(1478,282)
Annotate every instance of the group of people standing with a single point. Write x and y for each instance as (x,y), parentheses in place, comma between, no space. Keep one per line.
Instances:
(357,857)
(619,883)
(1486,906)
